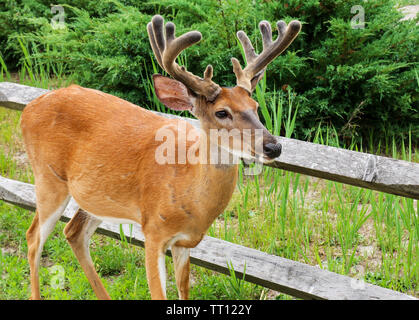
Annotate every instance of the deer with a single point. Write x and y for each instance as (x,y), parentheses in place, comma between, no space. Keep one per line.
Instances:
(100,150)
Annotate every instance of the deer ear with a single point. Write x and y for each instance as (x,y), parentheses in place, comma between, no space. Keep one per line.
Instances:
(172,93)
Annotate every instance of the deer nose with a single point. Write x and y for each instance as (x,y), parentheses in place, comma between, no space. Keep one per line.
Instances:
(272,150)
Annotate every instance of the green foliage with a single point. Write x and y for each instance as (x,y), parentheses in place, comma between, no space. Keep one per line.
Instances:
(357,80)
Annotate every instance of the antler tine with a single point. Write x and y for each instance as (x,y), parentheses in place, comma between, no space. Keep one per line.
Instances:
(256,64)
(274,49)
(157,23)
(177,45)
(266,31)
(167,47)
(153,44)
(249,51)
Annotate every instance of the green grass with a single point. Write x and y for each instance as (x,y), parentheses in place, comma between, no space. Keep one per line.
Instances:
(349,230)
(120,266)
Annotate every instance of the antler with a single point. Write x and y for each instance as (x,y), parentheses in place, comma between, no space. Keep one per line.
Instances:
(167,47)
(256,64)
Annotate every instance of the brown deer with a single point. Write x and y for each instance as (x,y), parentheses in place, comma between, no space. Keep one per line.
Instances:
(101,150)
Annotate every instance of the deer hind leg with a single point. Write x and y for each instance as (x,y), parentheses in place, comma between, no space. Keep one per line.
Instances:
(52,198)
(182,270)
(78,233)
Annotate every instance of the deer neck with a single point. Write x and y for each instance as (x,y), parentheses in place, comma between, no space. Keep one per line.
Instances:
(218,180)
(212,155)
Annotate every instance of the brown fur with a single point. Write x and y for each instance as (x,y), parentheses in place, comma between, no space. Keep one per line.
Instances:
(100,149)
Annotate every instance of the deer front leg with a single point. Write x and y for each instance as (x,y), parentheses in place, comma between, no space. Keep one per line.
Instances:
(156,267)
(182,270)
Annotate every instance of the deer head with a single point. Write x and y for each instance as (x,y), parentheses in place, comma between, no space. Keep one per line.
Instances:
(219,107)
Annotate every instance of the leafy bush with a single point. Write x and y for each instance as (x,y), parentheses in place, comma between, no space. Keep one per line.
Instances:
(358,80)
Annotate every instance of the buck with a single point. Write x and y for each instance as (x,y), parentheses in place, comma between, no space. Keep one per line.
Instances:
(100,150)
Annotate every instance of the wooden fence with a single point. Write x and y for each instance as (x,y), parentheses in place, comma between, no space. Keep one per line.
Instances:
(287,276)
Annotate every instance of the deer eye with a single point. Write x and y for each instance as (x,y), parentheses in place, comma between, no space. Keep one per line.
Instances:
(222,114)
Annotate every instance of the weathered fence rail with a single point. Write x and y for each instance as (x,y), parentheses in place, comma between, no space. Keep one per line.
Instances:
(287,276)
(355,168)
